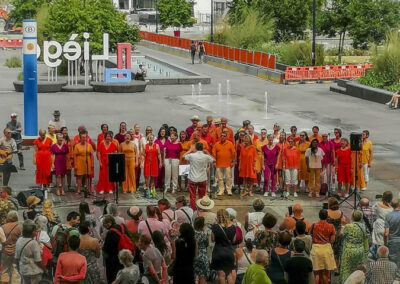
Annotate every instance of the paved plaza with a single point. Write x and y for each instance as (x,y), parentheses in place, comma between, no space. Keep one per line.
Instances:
(300,105)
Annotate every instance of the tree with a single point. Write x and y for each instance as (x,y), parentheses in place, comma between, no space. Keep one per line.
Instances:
(93,16)
(175,13)
(24,9)
(334,19)
(371,20)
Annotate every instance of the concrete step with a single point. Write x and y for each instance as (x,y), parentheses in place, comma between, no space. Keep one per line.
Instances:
(337,89)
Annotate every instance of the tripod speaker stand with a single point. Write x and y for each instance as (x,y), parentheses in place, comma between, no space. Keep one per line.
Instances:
(116,170)
(356,146)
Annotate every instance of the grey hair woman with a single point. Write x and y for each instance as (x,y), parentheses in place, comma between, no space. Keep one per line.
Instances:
(130,273)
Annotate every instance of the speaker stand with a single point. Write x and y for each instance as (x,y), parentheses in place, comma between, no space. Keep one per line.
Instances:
(116,193)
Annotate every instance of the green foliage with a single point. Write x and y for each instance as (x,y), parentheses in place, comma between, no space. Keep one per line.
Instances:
(41,17)
(347,52)
(13,62)
(252,32)
(297,53)
(371,19)
(20,76)
(292,17)
(175,13)
(93,16)
(25,9)
(386,61)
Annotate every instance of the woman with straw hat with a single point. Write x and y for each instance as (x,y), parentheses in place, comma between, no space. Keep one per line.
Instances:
(204,207)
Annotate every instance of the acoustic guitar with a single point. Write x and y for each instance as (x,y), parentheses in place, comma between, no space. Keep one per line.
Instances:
(7,154)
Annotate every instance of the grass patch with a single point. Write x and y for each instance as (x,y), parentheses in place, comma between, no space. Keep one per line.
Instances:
(13,62)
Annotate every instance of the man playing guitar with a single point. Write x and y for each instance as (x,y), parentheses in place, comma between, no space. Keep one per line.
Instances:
(7,148)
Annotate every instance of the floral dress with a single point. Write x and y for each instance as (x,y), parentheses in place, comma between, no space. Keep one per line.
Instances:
(353,249)
(201,263)
(267,239)
(92,271)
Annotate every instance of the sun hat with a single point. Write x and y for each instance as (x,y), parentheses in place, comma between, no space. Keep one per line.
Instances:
(205,203)
(14,114)
(195,117)
(32,200)
(217,121)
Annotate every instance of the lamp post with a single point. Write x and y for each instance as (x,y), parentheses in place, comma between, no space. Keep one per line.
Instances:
(313,32)
(156,18)
(212,21)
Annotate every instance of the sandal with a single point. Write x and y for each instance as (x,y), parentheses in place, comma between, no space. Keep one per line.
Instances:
(78,192)
(62,193)
(244,193)
(58,193)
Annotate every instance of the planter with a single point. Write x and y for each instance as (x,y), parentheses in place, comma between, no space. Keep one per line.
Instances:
(177,33)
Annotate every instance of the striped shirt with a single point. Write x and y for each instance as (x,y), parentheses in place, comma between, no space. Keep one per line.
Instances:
(381,271)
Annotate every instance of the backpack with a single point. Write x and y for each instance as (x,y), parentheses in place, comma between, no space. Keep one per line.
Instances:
(124,241)
(193,48)
(60,241)
(201,48)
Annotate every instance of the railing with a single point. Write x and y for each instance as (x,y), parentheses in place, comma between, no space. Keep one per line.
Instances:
(332,72)
(222,51)
(10,43)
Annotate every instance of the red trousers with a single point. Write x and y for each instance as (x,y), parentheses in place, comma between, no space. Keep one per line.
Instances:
(200,187)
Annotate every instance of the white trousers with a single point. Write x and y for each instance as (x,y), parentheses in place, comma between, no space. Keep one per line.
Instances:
(366,172)
(291,176)
(171,172)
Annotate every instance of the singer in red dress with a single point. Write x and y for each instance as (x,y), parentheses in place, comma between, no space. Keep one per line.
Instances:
(42,158)
(344,166)
(152,161)
(106,147)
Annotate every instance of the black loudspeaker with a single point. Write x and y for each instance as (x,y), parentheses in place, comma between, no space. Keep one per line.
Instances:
(355,141)
(23,195)
(116,167)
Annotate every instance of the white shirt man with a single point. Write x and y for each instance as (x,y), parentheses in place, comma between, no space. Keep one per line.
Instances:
(198,172)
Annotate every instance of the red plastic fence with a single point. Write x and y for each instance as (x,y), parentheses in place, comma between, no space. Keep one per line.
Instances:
(325,72)
(10,43)
(251,57)
(217,50)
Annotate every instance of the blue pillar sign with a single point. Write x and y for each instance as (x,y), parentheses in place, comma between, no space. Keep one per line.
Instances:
(30,77)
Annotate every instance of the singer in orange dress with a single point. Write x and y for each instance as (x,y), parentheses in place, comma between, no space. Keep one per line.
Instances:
(106,147)
(42,158)
(152,161)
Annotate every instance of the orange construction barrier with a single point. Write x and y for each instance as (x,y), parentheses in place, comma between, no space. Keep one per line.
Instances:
(225,51)
(249,59)
(327,72)
(257,58)
(264,59)
(237,54)
(231,53)
(271,62)
(220,49)
(294,74)
(243,56)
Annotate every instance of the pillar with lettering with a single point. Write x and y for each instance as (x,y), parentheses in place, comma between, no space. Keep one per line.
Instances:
(30,77)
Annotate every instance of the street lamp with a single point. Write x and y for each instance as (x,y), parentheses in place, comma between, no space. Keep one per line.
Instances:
(313,33)
(212,21)
(156,18)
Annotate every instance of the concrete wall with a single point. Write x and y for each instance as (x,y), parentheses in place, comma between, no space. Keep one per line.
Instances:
(264,73)
(355,89)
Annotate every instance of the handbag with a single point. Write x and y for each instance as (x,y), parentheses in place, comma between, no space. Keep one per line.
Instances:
(365,239)
(47,256)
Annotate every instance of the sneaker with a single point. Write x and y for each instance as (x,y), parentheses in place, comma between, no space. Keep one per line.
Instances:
(22,168)
(265,194)
(317,195)
(101,192)
(220,193)
(310,194)
(364,188)
(273,194)
(287,194)
(111,192)
(346,195)
(148,193)
(229,193)
(388,103)
(153,192)
(295,194)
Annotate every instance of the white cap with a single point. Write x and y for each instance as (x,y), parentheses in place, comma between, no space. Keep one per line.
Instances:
(14,114)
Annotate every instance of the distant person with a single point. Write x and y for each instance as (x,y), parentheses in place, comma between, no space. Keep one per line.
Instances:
(57,122)
(192,50)
(16,129)
(202,51)
(141,73)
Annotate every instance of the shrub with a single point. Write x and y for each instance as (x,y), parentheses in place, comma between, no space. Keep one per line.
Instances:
(386,61)
(20,76)
(13,62)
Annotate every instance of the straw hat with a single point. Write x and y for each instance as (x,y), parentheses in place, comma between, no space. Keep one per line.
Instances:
(32,200)
(205,203)
(217,121)
(195,117)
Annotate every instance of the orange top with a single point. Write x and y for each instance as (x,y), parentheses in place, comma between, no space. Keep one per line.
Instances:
(312,137)
(248,157)
(223,154)
(218,131)
(205,144)
(280,155)
(185,148)
(291,157)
